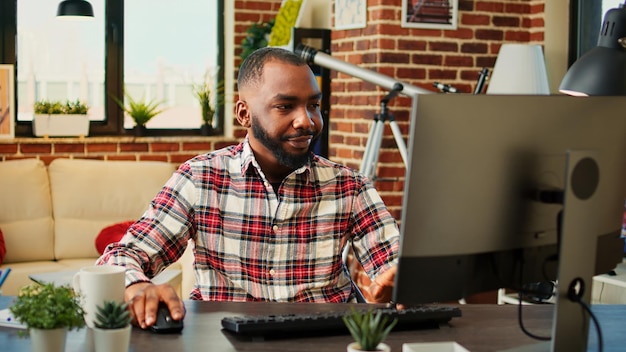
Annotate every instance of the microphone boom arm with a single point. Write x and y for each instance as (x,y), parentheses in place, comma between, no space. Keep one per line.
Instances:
(312,56)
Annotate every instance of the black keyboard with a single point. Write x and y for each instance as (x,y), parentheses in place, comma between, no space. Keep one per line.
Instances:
(417,317)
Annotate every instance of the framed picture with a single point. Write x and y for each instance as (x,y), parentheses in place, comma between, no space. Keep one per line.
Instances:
(430,14)
(350,14)
(7,101)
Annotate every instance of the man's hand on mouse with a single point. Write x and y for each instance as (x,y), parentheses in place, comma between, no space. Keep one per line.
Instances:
(143,301)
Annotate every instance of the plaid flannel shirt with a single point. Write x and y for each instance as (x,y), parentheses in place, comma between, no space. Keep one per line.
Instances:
(252,244)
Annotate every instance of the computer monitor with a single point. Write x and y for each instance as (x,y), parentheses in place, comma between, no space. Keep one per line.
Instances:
(504,190)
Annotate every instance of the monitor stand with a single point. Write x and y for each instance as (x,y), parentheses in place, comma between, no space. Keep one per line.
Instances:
(577,252)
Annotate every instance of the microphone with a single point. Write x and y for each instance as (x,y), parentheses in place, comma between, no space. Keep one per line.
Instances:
(312,56)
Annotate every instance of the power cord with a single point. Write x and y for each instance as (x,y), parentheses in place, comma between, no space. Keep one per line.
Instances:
(575,292)
(520,321)
(520,296)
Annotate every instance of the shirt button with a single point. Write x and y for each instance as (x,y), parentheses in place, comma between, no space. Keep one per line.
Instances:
(275,228)
(272,272)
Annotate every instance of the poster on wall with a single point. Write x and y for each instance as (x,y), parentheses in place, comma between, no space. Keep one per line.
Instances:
(7,102)
(350,14)
(430,14)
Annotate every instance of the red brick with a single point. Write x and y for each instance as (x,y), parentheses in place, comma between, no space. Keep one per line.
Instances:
(8,148)
(101,147)
(69,148)
(134,147)
(164,147)
(443,46)
(28,148)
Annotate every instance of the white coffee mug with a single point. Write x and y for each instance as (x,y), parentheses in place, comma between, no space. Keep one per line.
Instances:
(97,284)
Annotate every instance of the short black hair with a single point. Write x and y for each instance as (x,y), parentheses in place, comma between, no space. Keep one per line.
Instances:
(251,69)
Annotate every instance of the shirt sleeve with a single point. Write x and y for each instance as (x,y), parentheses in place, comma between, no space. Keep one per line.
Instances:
(375,234)
(161,235)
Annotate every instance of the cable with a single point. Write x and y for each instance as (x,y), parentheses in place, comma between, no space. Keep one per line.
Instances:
(520,320)
(575,292)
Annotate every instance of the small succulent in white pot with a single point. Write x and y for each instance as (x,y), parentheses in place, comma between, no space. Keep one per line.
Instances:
(112,327)
(369,329)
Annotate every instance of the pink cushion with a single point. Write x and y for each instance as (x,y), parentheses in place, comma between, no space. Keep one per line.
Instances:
(111,234)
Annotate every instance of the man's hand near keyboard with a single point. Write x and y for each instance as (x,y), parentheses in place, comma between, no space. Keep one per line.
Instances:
(381,289)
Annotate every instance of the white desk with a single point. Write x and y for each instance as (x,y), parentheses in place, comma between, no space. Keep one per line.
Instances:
(609,289)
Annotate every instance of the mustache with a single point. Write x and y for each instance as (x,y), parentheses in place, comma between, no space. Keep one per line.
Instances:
(302,133)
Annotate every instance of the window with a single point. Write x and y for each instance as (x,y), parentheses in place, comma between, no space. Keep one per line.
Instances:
(587,16)
(152,50)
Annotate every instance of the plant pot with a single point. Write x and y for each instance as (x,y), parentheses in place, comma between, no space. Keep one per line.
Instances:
(47,340)
(140,130)
(112,340)
(206,129)
(355,347)
(60,125)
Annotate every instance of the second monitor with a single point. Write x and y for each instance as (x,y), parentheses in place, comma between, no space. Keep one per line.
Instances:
(507,190)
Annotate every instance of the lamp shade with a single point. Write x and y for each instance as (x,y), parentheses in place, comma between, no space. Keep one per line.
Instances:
(75,9)
(519,69)
(602,70)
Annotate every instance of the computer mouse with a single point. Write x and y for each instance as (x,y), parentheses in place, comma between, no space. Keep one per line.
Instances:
(164,323)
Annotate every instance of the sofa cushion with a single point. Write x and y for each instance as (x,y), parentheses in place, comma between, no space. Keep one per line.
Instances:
(20,273)
(26,211)
(110,234)
(88,195)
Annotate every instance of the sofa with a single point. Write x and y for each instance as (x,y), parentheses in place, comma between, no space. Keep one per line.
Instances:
(51,215)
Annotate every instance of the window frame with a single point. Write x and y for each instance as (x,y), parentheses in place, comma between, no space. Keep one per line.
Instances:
(113,125)
(585,20)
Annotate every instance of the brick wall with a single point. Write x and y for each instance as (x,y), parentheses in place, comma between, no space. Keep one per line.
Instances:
(416,56)
(419,57)
(170,149)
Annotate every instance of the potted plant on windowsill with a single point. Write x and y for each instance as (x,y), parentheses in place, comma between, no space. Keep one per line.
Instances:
(211,97)
(141,111)
(60,119)
(112,327)
(369,330)
(48,311)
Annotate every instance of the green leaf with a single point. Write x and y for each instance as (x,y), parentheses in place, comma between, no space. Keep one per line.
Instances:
(368,328)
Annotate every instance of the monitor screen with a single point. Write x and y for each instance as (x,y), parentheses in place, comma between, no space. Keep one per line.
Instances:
(495,181)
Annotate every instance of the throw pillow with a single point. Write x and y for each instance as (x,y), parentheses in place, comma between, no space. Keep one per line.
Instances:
(110,234)
(3,249)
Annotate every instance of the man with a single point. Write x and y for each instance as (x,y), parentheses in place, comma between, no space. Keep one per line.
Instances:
(269,219)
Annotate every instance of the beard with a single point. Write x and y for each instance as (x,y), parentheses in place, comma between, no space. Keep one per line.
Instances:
(290,160)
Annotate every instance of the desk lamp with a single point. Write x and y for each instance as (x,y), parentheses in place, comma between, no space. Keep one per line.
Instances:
(602,70)
(75,10)
(519,69)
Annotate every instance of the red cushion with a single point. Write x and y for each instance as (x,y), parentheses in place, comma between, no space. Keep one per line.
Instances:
(3,249)
(110,234)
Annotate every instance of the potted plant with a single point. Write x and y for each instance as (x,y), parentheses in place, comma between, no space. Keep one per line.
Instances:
(210,97)
(56,118)
(257,36)
(369,330)
(48,311)
(112,327)
(141,111)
